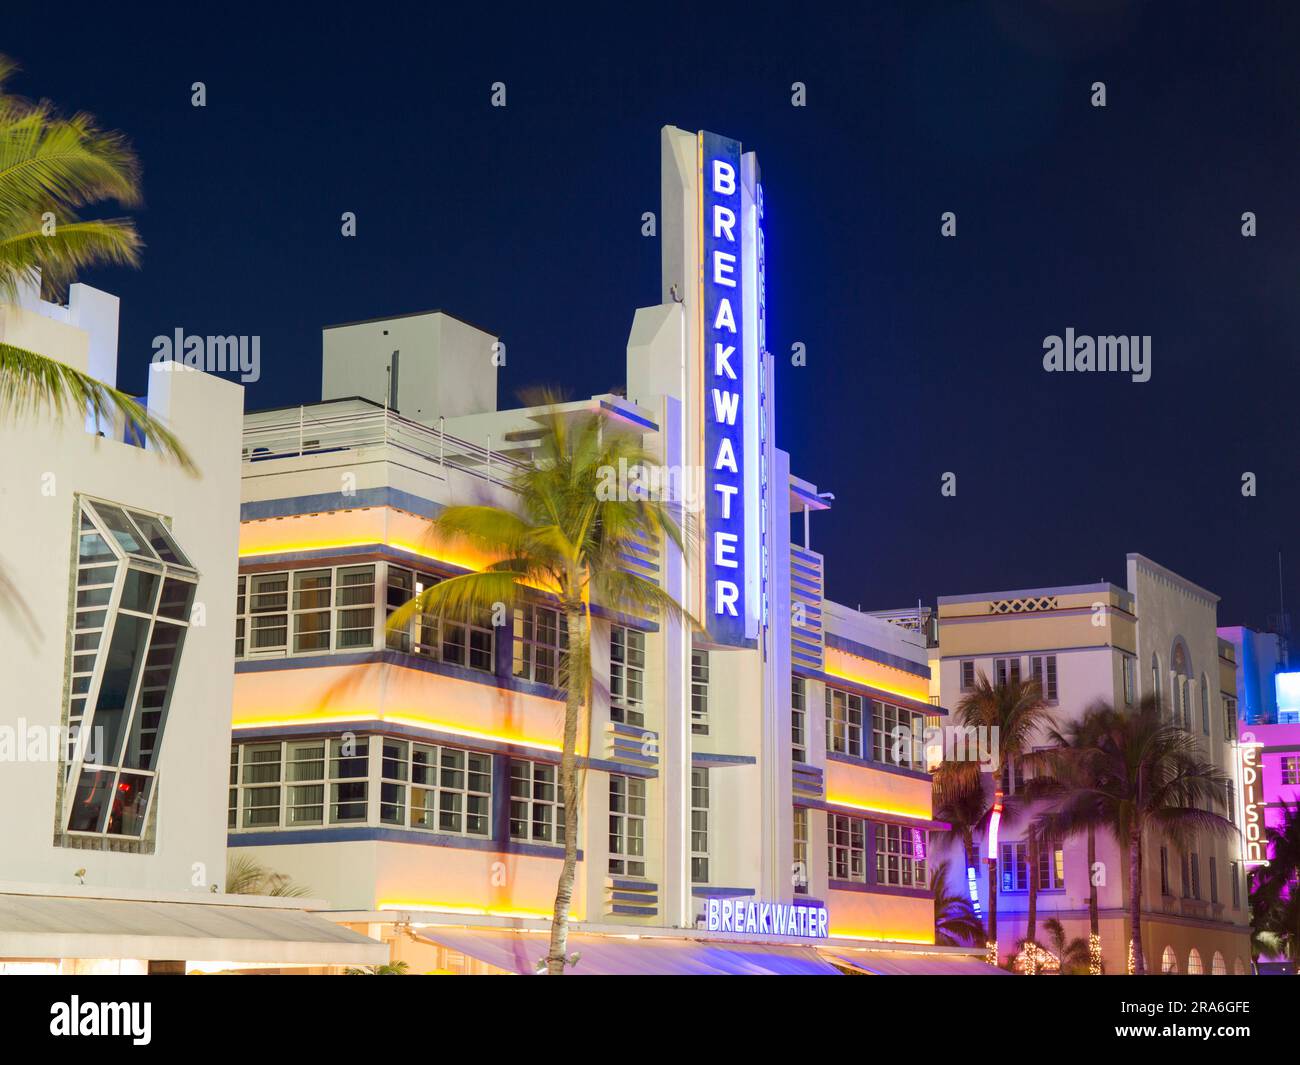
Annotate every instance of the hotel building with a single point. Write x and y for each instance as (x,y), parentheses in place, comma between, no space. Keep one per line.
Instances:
(1102,642)
(743,806)
(115,569)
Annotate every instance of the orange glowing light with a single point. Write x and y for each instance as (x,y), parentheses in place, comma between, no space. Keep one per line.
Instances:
(468,911)
(888,811)
(920,695)
(510,736)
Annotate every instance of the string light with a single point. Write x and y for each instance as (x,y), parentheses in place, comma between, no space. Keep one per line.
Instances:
(1094,954)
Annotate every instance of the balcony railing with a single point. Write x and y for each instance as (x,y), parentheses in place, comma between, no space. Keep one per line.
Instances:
(324,428)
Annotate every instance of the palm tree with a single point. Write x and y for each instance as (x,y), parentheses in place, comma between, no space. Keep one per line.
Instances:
(1015,714)
(49,167)
(1142,773)
(569,537)
(1275,900)
(955,920)
(1066,773)
(395,968)
(1279,877)
(245,876)
(1074,954)
(961,802)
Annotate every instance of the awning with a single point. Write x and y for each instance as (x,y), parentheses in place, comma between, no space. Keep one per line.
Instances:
(33,926)
(601,955)
(900,963)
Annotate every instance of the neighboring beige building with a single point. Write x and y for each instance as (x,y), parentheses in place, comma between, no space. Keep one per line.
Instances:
(1094,642)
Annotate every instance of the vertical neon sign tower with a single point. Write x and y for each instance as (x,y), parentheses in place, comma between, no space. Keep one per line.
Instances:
(730,323)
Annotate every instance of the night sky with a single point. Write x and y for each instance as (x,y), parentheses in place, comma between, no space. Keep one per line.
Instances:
(924,354)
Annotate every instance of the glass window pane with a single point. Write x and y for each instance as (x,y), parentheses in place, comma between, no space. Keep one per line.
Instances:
(90,803)
(159,539)
(130,802)
(140,590)
(125,657)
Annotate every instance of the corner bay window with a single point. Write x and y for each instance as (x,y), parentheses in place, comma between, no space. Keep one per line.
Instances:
(302,783)
(134,591)
(320,610)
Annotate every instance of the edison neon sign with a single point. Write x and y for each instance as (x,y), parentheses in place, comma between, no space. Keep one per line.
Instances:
(1252,803)
(729,309)
(747,917)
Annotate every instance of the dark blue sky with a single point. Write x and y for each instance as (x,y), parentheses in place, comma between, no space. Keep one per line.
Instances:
(924,354)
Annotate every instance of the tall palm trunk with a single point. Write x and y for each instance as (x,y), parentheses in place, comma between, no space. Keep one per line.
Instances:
(1135,898)
(579,656)
(1031,926)
(1094,914)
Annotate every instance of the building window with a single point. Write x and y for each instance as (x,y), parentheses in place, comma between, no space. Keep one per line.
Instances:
(1129,666)
(843,722)
(451,790)
(968,675)
(1229,718)
(305,783)
(699,826)
(1006,670)
(461,644)
(541,644)
(1205,705)
(900,856)
(312,611)
(1196,876)
(799,871)
(1194,965)
(261,780)
(897,736)
(1234,873)
(1214,880)
(799,719)
(1230,793)
(700,693)
(1155,678)
(1015,866)
(232,803)
(626,675)
(1164,873)
(131,614)
(241,609)
(846,848)
(1291,769)
(1043,669)
(626,825)
(1184,878)
(536,802)
(349,784)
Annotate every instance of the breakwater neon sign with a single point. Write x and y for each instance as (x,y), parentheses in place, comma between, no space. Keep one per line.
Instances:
(749,917)
(731,305)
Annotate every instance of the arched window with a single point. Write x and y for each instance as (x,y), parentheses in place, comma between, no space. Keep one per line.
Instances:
(1194,966)
(1169,961)
(1218,967)
(1155,678)
(1181,683)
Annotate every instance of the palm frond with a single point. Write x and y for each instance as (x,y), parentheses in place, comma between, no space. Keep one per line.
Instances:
(30,382)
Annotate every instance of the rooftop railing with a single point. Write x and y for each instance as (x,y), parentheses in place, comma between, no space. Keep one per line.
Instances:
(331,427)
